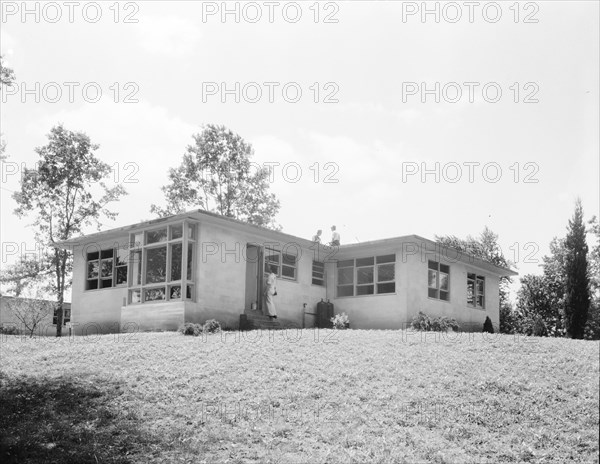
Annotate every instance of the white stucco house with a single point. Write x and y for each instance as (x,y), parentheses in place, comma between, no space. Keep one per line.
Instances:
(197,265)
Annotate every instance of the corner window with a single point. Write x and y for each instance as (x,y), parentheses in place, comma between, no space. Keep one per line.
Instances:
(438,276)
(476,291)
(158,260)
(318,273)
(106,268)
(366,276)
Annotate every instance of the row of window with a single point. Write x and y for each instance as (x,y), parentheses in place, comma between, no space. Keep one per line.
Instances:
(438,275)
(366,276)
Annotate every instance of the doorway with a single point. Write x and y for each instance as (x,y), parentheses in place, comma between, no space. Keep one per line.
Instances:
(254,276)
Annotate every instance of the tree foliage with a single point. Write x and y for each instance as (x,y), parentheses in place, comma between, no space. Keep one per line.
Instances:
(217,174)
(577,296)
(7,77)
(30,312)
(592,328)
(29,273)
(65,195)
(487,248)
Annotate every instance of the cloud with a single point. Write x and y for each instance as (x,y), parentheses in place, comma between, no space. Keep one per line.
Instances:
(168,35)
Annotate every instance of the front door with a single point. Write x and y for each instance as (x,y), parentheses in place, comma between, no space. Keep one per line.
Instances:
(254,275)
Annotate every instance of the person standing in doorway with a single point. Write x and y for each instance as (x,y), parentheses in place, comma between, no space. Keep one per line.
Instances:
(335,237)
(270,292)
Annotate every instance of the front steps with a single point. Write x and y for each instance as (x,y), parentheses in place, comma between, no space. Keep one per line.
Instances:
(255,320)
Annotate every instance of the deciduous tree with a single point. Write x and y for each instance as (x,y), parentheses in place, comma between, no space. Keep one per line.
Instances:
(65,195)
(217,174)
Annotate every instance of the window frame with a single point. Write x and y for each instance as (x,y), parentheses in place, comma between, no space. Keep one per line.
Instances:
(438,291)
(373,262)
(476,279)
(280,264)
(320,271)
(114,250)
(137,293)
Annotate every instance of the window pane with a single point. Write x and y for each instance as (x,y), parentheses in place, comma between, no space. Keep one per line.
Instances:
(136,273)
(154,294)
(432,279)
(347,290)
(135,296)
(105,283)
(433,265)
(176,255)
(346,276)
(189,293)
(386,259)
(92,284)
(122,257)
(443,281)
(121,275)
(138,240)
(390,287)
(175,292)
(471,276)
(347,263)
(289,272)
(190,262)
(444,295)
(480,285)
(317,281)
(364,275)
(272,258)
(365,262)
(155,236)
(432,293)
(480,301)
(470,293)
(365,290)
(176,232)
(191,232)
(156,264)
(386,272)
(106,269)
(445,268)
(318,266)
(106,253)
(93,255)
(289,259)
(92,270)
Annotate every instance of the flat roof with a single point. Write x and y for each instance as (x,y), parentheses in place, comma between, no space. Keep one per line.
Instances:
(198,214)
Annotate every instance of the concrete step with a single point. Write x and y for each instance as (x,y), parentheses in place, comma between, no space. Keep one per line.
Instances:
(258,321)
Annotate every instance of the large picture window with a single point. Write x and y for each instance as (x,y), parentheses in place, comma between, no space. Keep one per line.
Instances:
(158,258)
(366,276)
(438,276)
(476,291)
(106,268)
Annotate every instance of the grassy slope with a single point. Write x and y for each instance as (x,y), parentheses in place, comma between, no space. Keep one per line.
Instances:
(376,396)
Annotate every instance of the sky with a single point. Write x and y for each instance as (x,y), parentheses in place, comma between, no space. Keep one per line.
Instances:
(384,118)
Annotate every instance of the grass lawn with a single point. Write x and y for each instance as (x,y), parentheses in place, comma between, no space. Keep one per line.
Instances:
(295,397)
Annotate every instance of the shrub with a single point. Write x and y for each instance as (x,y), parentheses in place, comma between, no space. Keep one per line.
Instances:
(487,325)
(421,322)
(212,326)
(9,330)
(191,329)
(340,321)
(439,324)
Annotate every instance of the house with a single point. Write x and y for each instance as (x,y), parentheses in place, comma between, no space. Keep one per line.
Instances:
(18,313)
(197,265)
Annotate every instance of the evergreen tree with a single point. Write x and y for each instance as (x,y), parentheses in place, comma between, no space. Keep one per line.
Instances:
(577,297)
